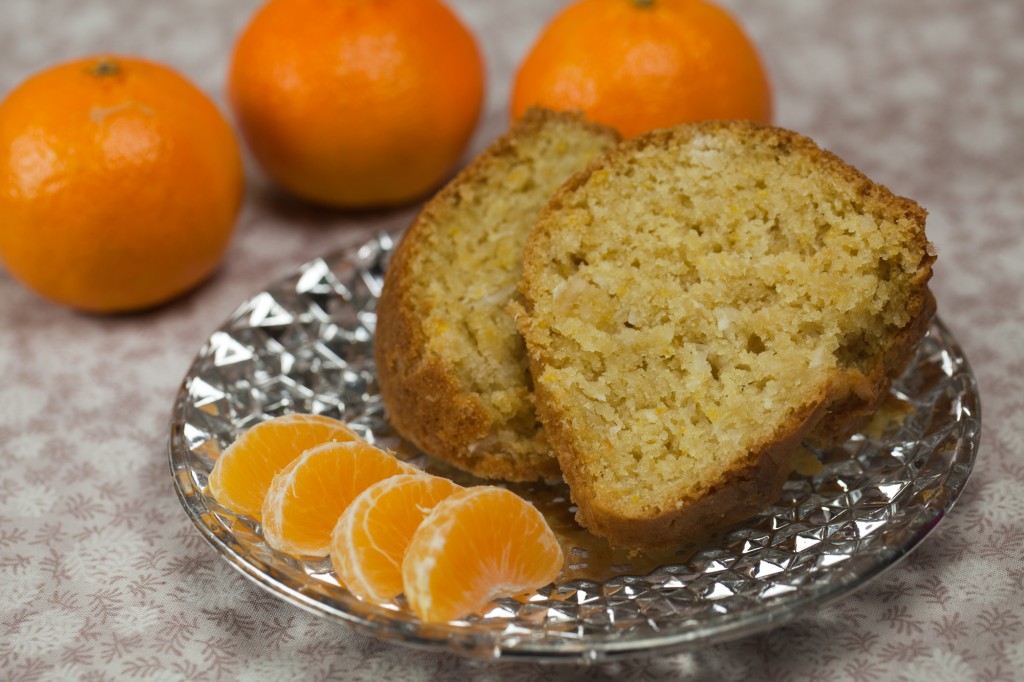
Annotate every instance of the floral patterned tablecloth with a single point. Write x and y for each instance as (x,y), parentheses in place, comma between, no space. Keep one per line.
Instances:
(102,575)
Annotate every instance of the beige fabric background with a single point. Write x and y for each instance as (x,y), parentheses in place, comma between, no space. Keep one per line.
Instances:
(102,576)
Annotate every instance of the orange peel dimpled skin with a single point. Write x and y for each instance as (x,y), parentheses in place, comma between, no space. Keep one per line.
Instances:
(120,183)
(356,104)
(657,63)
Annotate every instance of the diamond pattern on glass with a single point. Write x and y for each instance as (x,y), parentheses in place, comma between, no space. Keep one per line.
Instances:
(306,345)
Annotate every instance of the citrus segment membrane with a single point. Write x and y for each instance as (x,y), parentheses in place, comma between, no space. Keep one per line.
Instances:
(307,497)
(372,535)
(475,546)
(243,472)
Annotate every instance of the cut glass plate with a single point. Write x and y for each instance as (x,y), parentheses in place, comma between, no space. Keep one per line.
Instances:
(305,344)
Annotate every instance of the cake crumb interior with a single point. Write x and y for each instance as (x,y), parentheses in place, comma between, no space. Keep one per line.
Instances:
(696,302)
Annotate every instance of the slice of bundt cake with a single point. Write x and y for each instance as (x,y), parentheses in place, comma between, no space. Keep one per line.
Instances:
(452,367)
(700,301)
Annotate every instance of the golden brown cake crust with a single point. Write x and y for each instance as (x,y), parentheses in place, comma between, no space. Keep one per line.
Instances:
(841,403)
(742,492)
(427,401)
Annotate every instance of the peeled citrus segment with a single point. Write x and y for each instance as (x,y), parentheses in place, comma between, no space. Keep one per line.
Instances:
(370,539)
(475,546)
(308,496)
(243,472)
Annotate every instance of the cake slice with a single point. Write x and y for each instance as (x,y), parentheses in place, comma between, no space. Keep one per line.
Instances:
(698,303)
(452,368)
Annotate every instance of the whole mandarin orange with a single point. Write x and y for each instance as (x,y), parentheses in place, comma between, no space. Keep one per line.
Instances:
(120,183)
(638,65)
(356,103)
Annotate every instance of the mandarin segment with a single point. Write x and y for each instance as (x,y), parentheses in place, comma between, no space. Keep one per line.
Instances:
(372,535)
(307,497)
(243,472)
(477,545)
